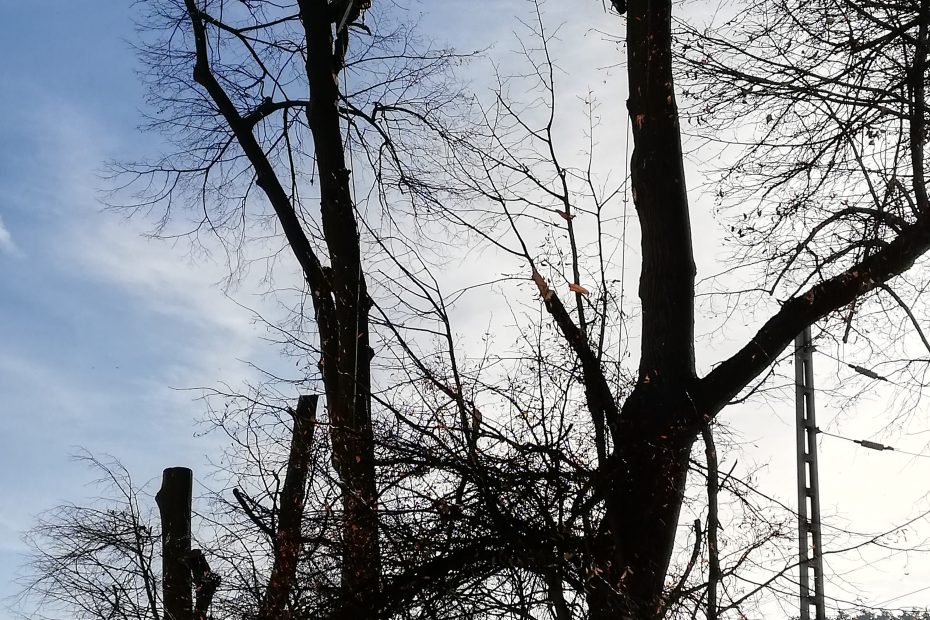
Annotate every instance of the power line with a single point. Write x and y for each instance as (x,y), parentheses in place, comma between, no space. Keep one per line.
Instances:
(871,374)
(867,372)
(891,600)
(873,445)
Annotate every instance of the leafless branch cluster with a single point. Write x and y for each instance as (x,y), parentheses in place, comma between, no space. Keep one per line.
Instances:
(521,468)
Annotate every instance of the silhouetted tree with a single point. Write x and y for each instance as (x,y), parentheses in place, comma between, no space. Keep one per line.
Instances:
(542,477)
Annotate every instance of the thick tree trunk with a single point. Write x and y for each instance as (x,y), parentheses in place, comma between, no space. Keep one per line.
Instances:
(174,508)
(666,285)
(648,473)
(346,350)
(658,424)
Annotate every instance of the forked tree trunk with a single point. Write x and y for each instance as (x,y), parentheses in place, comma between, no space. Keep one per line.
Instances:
(338,291)
(649,468)
(659,422)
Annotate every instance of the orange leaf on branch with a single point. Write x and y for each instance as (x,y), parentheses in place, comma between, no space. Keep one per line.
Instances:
(577,288)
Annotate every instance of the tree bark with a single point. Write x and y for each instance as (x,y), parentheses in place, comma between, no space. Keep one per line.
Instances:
(290,516)
(174,508)
(643,496)
(666,285)
(346,359)
(647,471)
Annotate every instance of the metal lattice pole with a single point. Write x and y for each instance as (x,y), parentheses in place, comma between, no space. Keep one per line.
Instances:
(809,544)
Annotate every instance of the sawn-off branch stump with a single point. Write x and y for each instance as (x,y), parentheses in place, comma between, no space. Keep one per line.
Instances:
(174,507)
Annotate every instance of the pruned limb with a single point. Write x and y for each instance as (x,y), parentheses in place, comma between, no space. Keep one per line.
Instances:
(174,508)
(287,539)
(247,506)
(205,583)
(600,399)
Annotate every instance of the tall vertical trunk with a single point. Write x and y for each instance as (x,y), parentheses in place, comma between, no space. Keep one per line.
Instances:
(666,285)
(648,468)
(346,368)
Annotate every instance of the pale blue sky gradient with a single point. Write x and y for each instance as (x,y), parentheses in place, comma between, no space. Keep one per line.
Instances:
(99,325)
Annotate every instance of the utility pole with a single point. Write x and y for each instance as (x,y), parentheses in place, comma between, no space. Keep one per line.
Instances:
(809,544)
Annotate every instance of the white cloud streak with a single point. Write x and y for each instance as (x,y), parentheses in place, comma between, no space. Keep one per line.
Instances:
(7,246)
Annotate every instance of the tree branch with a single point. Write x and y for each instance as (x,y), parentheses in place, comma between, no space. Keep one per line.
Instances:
(725,381)
(713,521)
(600,399)
(287,539)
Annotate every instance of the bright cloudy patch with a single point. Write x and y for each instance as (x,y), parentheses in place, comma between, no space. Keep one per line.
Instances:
(7,246)
(179,287)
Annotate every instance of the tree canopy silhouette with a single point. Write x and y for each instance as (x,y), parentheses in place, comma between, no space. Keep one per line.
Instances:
(461,478)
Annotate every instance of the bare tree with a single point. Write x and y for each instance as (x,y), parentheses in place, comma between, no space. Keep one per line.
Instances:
(98,560)
(545,477)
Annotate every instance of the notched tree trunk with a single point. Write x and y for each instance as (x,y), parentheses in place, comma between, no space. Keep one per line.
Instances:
(174,508)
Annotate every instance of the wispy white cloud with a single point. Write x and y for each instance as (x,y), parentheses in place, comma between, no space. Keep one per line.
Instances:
(159,318)
(181,289)
(7,245)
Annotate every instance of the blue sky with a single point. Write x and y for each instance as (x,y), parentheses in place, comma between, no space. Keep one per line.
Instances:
(101,326)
